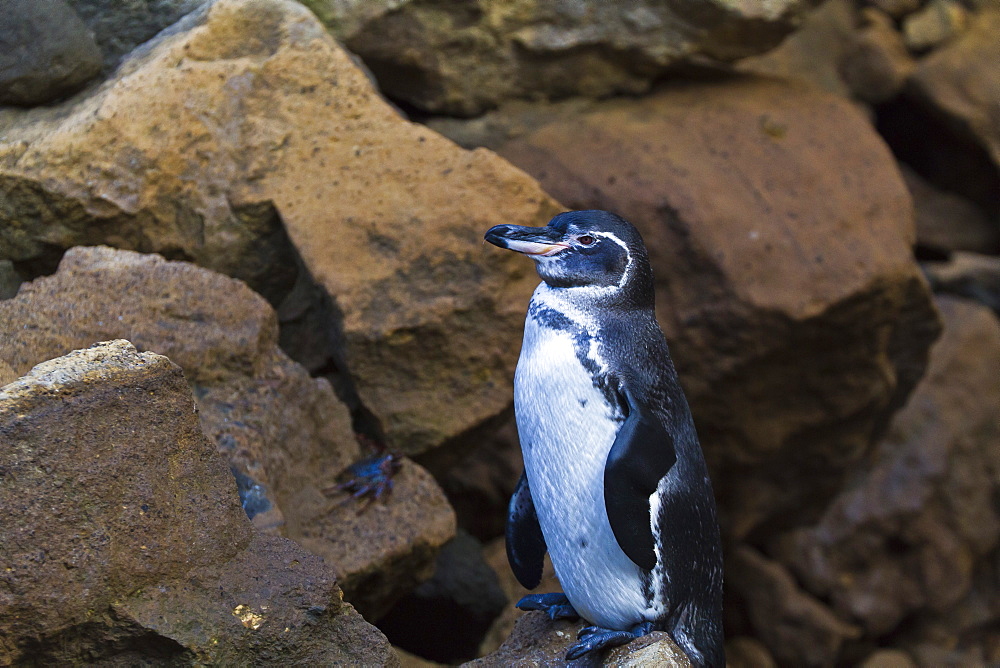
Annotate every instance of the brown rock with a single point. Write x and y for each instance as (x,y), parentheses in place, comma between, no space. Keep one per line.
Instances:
(937,22)
(896,8)
(959,81)
(796,627)
(252,116)
(947,222)
(904,539)
(121,525)
(968,275)
(876,64)
(747,652)
(461,58)
(888,658)
(538,641)
(281,429)
(780,233)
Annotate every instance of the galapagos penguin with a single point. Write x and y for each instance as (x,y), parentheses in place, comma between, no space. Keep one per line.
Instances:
(615,485)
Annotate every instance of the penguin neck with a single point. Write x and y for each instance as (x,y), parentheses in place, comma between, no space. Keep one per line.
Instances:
(585,309)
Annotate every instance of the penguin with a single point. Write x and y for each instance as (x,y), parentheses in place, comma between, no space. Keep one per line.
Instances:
(615,486)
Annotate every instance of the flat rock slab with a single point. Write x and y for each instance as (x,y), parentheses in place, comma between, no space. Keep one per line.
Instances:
(123,539)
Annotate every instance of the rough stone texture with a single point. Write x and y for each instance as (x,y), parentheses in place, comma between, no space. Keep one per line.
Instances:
(959,81)
(796,627)
(905,538)
(968,275)
(780,233)
(252,116)
(46,52)
(283,430)
(464,57)
(947,222)
(123,540)
(122,26)
(446,617)
(813,53)
(937,22)
(10,279)
(380,551)
(538,641)
(876,63)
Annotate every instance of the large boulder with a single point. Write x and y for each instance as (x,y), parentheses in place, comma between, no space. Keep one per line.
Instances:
(906,538)
(246,119)
(284,433)
(780,234)
(123,539)
(46,52)
(463,57)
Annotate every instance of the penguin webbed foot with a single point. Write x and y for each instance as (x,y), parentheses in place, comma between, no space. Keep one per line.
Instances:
(596,638)
(555,605)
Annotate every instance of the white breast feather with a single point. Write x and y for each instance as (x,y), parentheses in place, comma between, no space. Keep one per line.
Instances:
(567,429)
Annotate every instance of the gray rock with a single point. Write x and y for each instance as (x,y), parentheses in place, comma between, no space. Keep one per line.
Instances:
(464,57)
(10,279)
(46,52)
(968,275)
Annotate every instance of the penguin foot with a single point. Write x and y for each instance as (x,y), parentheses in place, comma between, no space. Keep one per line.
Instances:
(595,638)
(555,605)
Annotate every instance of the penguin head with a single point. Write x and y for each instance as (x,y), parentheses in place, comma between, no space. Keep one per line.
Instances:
(593,255)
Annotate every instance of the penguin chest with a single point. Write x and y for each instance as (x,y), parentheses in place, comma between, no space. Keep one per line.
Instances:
(567,427)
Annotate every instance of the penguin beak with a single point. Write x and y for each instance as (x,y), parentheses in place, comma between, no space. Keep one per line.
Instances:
(539,241)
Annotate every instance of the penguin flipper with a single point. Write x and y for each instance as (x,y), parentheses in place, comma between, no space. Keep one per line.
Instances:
(643,452)
(525,543)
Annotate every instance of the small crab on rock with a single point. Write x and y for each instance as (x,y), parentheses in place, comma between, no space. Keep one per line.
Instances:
(369,478)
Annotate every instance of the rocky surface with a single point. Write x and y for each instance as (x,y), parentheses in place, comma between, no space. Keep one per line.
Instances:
(46,52)
(123,537)
(772,271)
(947,222)
(255,121)
(279,428)
(968,275)
(909,534)
(538,641)
(461,58)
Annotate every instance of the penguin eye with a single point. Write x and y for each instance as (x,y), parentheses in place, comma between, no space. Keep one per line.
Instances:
(586,240)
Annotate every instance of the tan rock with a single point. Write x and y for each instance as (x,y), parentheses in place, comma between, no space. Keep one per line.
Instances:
(251,117)
(122,525)
(958,81)
(937,22)
(780,233)
(276,425)
(876,63)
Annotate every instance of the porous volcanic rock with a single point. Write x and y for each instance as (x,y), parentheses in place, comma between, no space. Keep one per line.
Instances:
(282,431)
(46,52)
(780,233)
(123,539)
(538,641)
(246,119)
(959,81)
(466,56)
(906,537)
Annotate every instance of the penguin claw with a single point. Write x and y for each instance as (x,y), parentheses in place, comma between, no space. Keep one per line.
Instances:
(596,638)
(555,605)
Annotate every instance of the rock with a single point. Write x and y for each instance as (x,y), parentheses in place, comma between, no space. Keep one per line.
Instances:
(123,539)
(780,233)
(420,319)
(10,279)
(888,658)
(122,26)
(813,53)
(746,652)
(958,81)
(797,628)
(285,434)
(876,64)
(937,22)
(538,641)
(380,551)
(446,617)
(905,538)
(968,275)
(896,8)
(46,52)
(461,58)
(947,222)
